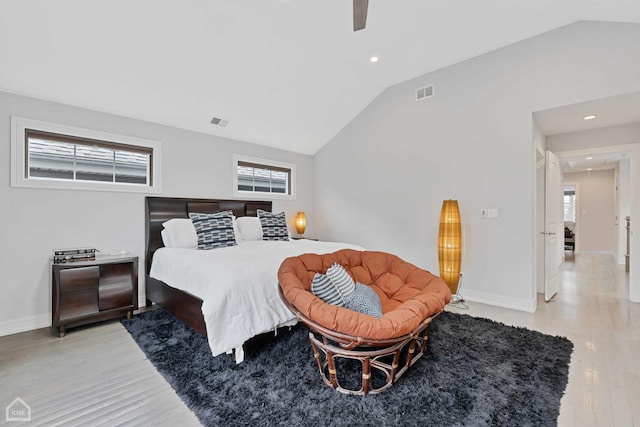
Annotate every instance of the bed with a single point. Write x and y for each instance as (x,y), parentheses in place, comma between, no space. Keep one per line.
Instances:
(236,287)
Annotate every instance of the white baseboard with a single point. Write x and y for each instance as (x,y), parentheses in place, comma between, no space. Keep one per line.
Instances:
(500,301)
(14,326)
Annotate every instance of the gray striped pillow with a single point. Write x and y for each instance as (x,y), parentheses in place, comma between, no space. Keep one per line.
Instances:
(213,230)
(323,288)
(341,279)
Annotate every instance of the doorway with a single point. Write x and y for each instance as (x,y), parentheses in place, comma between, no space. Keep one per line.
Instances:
(570,207)
(632,152)
(597,126)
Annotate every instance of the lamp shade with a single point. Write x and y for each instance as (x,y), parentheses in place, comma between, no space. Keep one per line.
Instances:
(450,244)
(301,222)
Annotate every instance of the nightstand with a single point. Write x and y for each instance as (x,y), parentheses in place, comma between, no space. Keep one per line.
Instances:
(90,291)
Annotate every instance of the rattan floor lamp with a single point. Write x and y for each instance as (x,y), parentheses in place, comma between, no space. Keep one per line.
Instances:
(450,247)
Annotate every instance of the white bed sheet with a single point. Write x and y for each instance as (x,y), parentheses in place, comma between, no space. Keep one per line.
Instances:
(238,285)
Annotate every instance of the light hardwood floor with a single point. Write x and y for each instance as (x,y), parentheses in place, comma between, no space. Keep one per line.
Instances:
(98,376)
(93,376)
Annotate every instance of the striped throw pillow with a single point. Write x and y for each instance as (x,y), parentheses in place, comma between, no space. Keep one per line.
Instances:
(323,288)
(213,230)
(341,279)
(274,226)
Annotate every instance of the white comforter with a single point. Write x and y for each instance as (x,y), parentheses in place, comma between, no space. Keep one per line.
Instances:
(238,286)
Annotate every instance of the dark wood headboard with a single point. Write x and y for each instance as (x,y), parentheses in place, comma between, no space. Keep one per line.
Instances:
(161,209)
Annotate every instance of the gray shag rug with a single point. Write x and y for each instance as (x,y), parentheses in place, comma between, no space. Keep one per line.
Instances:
(476,372)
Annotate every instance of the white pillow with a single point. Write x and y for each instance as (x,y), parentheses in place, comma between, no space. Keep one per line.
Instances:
(249,228)
(181,233)
(166,239)
(236,232)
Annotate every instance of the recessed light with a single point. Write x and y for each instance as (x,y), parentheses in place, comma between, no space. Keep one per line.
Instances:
(589,117)
(589,169)
(374,59)
(589,158)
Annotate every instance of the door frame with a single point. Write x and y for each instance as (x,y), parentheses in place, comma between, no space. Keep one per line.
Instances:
(576,244)
(553,231)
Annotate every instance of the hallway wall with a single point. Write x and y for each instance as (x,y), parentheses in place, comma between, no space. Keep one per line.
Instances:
(596,219)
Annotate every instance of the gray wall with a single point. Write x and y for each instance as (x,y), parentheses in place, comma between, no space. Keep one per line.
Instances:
(37,221)
(380,182)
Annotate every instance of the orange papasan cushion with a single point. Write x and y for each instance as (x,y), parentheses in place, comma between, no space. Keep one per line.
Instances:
(408,294)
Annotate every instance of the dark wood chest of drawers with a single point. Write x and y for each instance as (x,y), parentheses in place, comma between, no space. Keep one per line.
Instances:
(90,291)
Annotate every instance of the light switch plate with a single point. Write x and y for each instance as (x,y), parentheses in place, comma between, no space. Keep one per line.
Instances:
(489,213)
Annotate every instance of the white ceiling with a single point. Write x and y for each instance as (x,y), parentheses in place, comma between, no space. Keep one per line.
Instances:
(610,111)
(286,73)
(592,162)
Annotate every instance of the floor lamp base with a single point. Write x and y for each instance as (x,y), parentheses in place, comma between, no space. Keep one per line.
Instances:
(456,299)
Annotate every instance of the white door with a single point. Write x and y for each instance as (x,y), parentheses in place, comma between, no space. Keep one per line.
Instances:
(553,224)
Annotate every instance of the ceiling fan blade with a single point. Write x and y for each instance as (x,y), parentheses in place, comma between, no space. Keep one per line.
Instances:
(360,14)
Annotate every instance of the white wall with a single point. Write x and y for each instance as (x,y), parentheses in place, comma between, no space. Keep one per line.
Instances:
(37,221)
(380,182)
(597,214)
(594,138)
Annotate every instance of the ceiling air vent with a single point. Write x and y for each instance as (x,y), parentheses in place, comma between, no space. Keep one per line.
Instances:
(220,122)
(572,164)
(424,92)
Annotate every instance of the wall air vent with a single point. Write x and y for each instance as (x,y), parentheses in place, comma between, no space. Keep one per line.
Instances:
(220,122)
(572,164)
(424,92)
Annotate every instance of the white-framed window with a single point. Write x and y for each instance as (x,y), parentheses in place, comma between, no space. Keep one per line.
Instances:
(570,206)
(261,178)
(53,156)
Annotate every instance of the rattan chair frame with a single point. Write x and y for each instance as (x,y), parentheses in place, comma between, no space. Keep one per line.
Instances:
(328,346)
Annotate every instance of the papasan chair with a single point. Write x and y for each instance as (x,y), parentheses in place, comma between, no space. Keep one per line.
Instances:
(409,299)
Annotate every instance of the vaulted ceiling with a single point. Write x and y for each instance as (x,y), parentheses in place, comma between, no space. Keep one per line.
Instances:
(285,73)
